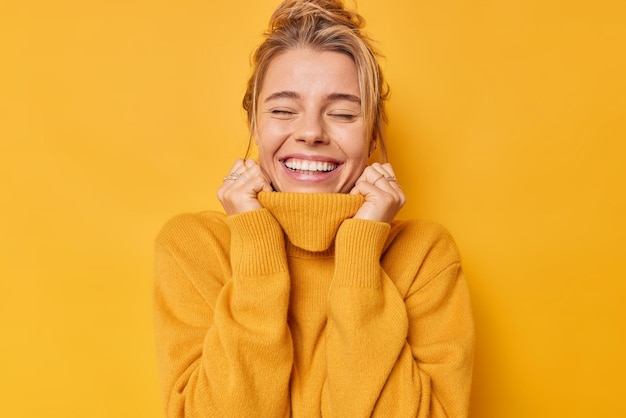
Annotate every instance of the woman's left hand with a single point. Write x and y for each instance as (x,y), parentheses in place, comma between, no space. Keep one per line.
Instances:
(383,196)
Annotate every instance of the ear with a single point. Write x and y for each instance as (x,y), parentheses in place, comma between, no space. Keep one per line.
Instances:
(372,147)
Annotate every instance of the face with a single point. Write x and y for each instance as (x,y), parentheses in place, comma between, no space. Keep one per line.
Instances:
(310,129)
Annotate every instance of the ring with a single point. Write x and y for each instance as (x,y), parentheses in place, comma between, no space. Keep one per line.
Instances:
(381,176)
(232,176)
(391,178)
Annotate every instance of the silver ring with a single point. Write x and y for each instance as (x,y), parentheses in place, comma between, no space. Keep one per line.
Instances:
(391,178)
(381,176)
(232,176)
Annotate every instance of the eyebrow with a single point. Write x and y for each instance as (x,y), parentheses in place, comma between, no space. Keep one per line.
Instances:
(282,95)
(343,96)
(294,95)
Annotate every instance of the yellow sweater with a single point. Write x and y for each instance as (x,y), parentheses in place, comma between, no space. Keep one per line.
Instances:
(298,310)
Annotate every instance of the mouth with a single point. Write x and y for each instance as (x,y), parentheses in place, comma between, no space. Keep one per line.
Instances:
(310,166)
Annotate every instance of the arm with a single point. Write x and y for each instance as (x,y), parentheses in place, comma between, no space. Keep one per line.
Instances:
(390,352)
(224,347)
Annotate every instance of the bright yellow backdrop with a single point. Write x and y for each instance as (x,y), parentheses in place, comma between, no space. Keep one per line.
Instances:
(507,125)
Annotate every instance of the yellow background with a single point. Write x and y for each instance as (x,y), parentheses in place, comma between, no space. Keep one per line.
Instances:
(507,126)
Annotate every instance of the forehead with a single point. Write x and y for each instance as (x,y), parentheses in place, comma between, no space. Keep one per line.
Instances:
(307,71)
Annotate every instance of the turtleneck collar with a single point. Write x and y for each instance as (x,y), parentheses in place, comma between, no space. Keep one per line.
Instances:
(310,220)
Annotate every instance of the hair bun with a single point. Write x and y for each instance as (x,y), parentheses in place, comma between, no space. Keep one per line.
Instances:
(323,12)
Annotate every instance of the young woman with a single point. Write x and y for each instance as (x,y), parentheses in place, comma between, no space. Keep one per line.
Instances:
(307,298)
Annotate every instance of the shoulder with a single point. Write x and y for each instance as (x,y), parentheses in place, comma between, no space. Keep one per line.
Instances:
(423,235)
(196,245)
(189,231)
(419,249)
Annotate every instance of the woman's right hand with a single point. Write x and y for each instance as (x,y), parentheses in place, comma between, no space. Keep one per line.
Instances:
(239,191)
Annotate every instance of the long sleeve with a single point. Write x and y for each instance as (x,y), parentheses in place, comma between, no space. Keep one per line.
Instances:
(400,332)
(221,300)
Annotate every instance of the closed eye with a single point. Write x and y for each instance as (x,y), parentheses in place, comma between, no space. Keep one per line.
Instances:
(348,117)
(282,113)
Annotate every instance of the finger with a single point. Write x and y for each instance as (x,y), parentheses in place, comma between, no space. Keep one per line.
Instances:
(236,168)
(390,172)
(383,179)
(357,188)
(253,170)
(240,170)
(250,180)
(371,174)
(385,169)
(393,182)
(258,170)
(389,176)
(234,172)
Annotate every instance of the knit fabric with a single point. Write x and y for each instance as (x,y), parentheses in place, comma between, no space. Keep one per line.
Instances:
(297,309)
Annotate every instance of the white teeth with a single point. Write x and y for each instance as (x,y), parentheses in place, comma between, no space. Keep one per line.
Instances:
(304,165)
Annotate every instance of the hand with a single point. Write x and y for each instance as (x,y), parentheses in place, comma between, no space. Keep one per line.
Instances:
(383,196)
(239,191)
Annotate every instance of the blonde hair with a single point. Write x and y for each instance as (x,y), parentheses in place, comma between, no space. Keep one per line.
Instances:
(328,26)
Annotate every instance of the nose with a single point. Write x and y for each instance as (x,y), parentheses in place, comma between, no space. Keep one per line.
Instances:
(311,130)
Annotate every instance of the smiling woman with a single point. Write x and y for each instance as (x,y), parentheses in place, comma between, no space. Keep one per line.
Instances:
(310,116)
(307,297)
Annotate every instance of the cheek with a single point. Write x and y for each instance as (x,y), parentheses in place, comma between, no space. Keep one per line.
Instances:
(353,143)
(270,134)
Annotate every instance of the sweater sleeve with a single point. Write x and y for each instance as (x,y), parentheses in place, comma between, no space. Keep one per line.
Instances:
(393,353)
(224,351)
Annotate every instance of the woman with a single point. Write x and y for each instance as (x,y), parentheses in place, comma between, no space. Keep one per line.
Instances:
(307,298)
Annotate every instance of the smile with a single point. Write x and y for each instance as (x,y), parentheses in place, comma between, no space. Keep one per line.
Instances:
(308,166)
